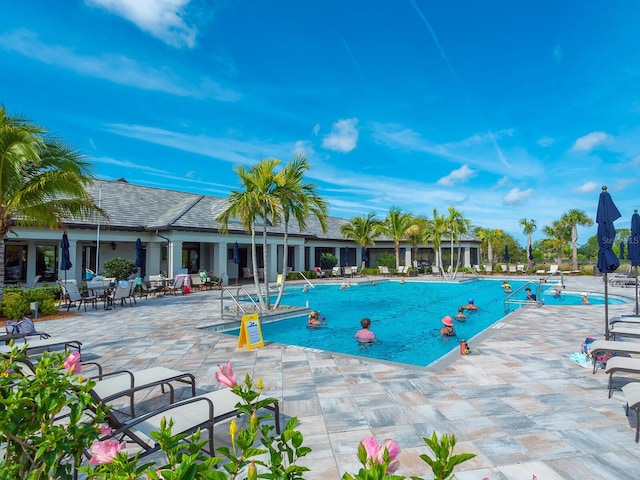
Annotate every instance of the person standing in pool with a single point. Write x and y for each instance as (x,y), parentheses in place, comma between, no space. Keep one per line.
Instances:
(460,316)
(365,335)
(471,305)
(530,296)
(314,319)
(447,330)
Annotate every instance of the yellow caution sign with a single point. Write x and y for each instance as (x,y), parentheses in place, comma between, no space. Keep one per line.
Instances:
(250,332)
(279,279)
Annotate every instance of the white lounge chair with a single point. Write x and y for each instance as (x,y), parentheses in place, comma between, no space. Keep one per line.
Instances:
(621,364)
(200,412)
(34,345)
(604,346)
(631,393)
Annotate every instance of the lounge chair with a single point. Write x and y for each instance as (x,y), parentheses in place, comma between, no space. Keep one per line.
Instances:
(436,271)
(604,346)
(553,269)
(39,345)
(384,270)
(520,269)
(201,412)
(336,272)
(125,383)
(624,330)
(503,267)
(631,393)
(512,270)
(488,269)
(621,364)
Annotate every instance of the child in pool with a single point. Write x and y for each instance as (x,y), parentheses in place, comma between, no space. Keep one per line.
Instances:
(460,316)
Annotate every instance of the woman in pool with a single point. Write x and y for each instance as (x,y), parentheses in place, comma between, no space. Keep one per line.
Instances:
(584,298)
(314,319)
(447,330)
(365,335)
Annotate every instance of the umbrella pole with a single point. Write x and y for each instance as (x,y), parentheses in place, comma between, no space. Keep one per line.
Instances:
(606,307)
(637,312)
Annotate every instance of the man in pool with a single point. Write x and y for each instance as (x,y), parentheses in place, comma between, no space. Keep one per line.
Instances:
(365,335)
(460,316)
(471,305)
(447,330)
(530,296)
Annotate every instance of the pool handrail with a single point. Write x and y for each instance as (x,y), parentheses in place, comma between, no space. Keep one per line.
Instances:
(509,300)
(306,279)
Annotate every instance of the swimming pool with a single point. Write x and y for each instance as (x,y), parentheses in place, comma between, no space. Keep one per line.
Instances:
(405,317)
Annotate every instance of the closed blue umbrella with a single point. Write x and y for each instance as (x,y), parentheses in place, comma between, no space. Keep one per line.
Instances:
(607,261)
(236,253)
(65,260)
(138,253)
(346,256)
(621,250)
(530,252)
(505,257)
(365,257)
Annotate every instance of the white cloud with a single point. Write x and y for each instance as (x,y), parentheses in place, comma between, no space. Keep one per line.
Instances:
(623,184)
(304,148)
(316,129)
(517,196)
(460,175)
(502,182)
(164,19)
(587,187)
(590,141)
(117,69)
(343,136)
(546,142)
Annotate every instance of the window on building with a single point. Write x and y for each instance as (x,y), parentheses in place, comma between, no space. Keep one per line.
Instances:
(47,262)
(15,263)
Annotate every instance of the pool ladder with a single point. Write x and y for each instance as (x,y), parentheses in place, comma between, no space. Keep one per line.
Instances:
(236,309)
(511,299)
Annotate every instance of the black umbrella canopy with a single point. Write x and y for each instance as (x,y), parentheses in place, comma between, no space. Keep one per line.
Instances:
(65,260)
(607,261)
(621,250)
(138,253)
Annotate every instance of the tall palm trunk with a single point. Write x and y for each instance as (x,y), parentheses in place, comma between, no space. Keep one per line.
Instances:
(2,255)
(265,262)
(397,249)
(285,263)
(254,264)
(574,244)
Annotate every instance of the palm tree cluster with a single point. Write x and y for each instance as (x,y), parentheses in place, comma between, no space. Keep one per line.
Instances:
(269,197)
(399,226)
(42,181)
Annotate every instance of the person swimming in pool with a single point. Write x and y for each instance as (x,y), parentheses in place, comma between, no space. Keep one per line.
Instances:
(365,335)
(557,293)
(506,286)
(447,330)
(305,289)
(471,305)
(460,316)
(584,298)
(314,319)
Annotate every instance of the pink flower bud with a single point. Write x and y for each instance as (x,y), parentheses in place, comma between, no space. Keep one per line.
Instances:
(71,363)
(225,375)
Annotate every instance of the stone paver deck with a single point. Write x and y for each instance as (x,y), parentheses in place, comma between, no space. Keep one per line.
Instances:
(517,401)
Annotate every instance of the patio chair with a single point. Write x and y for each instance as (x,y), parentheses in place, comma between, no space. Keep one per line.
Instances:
(120,293)
(503,267)
(384,270)
(512,270)
(436,271)
(247,274)
(621,364)
(196,281)
(631,393)
(336,272)
(178,285)
(605,346)
(72,295)
(488,269)
(520,269)
(260,273)
(200,412)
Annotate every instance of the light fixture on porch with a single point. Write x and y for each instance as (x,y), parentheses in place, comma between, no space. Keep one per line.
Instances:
(113,245)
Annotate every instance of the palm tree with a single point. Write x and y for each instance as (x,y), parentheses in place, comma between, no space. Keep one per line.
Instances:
(418,235)
(574,218)
(435,228)
(363,230)
(300,200)
(559,234)
(528,227)
(489,237)
(398,225)
(456,225)
(42,181)
(258,200)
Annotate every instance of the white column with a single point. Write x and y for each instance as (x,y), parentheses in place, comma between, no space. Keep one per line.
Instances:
(77,263)
(299,254)
(153,258)
(175,258)
(273,262)
(220,259)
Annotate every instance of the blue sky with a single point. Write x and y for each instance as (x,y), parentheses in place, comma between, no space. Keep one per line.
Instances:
(502,109)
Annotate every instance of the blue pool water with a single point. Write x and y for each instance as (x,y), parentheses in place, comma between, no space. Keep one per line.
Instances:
(404,317)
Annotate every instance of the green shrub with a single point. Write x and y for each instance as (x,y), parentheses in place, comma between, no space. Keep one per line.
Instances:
(15,305)
(119,268)
(328,261)
(45,297)
(386,260)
